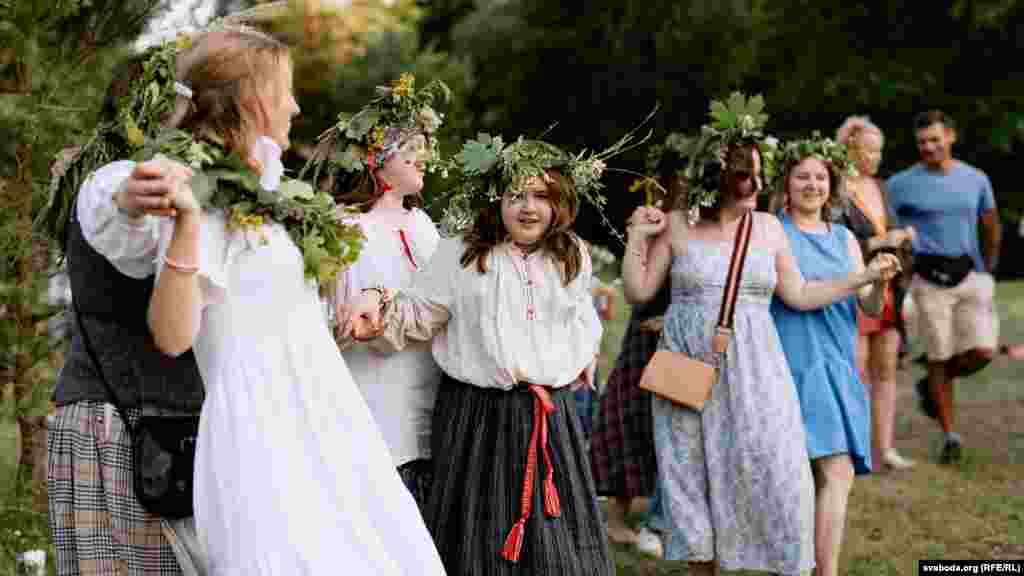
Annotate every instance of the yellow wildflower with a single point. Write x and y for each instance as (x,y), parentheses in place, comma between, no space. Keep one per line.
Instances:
(240,219)
(377,138)
(648,186)
(133,133)
(403,87)
(182,42)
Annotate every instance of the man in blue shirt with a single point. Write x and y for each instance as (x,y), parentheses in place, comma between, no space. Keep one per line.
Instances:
(946,201)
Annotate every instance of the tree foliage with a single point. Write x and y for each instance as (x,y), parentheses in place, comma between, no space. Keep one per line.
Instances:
(596,68)
(54,68)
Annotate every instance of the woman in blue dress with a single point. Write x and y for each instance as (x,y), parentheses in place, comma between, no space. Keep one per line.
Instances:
(820,345)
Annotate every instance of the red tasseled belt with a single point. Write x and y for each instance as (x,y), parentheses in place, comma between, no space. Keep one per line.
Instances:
(542,406)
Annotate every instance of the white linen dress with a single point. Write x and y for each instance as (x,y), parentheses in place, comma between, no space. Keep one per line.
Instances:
(292,476)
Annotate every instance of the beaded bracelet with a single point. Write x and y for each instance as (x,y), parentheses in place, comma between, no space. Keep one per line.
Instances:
(179,267)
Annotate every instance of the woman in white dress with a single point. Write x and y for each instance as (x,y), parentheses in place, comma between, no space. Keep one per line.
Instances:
(292,475)
(400,239)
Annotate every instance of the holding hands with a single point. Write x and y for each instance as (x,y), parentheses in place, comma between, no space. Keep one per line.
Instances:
(158,187)
(364,319)
(883,267)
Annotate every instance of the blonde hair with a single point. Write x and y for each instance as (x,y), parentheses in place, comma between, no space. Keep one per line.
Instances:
(223,68)
(852,129)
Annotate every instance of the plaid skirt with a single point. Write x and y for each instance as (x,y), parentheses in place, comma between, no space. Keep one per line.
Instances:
(98,527)
(480,443)
(622,444)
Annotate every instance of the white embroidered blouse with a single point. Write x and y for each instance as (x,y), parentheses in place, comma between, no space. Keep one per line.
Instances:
(515,323)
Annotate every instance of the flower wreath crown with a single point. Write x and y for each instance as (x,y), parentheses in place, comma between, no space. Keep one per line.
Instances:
(737,121)
(364,141)
(485,167)
(824,149)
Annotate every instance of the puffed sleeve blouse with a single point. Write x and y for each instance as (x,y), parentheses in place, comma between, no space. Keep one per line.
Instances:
(516,323)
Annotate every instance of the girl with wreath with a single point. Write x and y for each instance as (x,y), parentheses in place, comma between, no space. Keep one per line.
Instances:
(820,345)
(735,476)
(376,160)
(291,474)
(509,308)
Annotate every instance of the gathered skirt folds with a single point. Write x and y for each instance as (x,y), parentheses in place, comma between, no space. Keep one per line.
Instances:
(481,438)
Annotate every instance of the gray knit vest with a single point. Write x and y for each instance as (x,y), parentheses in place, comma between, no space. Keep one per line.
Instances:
(113,308)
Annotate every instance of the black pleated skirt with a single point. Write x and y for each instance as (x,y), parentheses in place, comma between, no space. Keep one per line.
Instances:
(480,441)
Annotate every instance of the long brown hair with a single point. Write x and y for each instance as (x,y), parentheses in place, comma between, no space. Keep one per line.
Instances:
(223,68)
(559,242)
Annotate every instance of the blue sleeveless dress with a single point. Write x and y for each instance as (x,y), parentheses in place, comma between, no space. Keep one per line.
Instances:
(820,347)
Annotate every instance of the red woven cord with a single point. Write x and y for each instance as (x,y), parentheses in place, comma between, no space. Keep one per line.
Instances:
(514,541)
(542,406)
(552,504)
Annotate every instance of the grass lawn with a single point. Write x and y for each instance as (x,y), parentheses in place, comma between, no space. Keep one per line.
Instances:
(975,510)
(8,454)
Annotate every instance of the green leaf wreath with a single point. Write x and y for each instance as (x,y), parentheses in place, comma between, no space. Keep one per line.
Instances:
(327,236)
(356,142)
(139,116)
(222,181)
(825,149)
(486,166)
(736,122)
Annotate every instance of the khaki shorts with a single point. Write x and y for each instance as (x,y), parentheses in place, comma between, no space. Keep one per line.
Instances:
(957,319)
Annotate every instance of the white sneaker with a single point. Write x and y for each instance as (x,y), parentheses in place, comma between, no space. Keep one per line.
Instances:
(649,542)
(892,460)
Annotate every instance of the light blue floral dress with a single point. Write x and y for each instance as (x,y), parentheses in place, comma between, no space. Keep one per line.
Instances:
(735,477)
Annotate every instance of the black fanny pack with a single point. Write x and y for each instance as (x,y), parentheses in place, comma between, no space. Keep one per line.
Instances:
(943,270)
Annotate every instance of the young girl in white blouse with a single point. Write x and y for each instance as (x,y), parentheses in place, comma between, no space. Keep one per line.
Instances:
(509,308)
(385,183)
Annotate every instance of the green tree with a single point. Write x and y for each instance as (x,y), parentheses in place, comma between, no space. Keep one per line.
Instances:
(54,68)
(342,56)
(596,67)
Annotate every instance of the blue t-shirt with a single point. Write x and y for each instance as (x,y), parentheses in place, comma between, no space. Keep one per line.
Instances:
(944,209)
